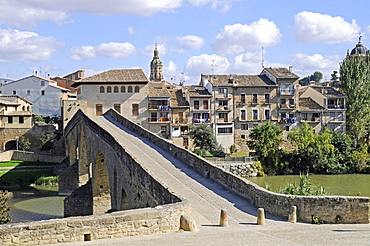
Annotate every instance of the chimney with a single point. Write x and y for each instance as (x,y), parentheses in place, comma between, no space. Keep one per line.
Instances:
(291,69)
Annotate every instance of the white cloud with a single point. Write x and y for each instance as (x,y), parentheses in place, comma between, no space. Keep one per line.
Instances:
(248,63)
(131,30)
(239,38)
(224,5)
(149,50)
(25,46)
(314,27)
(204,63)
(189,42)
(304,64)
(109,50)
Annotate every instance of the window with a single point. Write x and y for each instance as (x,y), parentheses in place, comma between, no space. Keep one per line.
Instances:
(21,119)
(291,102)
(205,116)
(137,89)
(267,114)
(254,98)
(243,114)
(164,129)
(117,107)
(332,115)
(244,126)
(23,108)
(14,92)
(282,90)
(42,83)
(222,103)
(43,93)
(304,116)
(196,104)
(225,130)
(185,142)
(129,89)
(283,101)
(223,116)
(115,89)
(242,136)
(340,117)
(123,89)
(267,98)
(196,116)
(28,92)
(255,114)
(153,117)
(101,89)
(109,89)
(99,109)
(223,91)
(10,119)
(291,90)
(135,109)
(287,128)
(205,104)
(242,98)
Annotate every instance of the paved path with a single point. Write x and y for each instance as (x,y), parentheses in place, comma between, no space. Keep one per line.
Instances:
(208,198)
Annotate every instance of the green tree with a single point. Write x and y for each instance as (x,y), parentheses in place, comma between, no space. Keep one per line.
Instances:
(334,76)
(24,143)
(266,140)
(316,76)
(355,83)
(204,139)
(4,216)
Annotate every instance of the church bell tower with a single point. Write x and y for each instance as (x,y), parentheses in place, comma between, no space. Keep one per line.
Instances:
(156,67)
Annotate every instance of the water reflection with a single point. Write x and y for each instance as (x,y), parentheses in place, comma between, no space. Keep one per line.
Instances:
(36,203)
(342,184)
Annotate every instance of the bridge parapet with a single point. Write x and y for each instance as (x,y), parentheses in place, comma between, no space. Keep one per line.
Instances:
(328,208)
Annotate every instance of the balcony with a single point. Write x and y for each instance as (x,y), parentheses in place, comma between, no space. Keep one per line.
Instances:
(181,121)
(312,119)
(240,103)
(265,102)
(159,107)
(288,120)
(195,120)
(158,120)
(223,108)
(336,106)
(287,106)
(253,102)
(287,92)
(223,120)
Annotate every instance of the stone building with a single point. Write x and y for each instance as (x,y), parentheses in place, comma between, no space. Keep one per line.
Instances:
(15,120)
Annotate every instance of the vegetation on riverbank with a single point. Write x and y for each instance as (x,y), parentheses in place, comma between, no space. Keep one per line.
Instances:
(330,152)
(4,216)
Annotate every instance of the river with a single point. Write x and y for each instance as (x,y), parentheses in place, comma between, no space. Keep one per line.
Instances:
(340,184)
(36,203)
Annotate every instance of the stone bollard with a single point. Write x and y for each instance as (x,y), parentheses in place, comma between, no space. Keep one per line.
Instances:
(261,217)
(223,218)
(187,223)
(292,218)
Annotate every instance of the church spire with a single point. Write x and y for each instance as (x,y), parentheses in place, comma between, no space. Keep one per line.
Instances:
(156,67)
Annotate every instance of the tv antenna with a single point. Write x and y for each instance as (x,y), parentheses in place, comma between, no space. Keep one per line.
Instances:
(213,66)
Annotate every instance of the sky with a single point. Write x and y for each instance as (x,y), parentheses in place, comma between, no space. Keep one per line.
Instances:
(193,37)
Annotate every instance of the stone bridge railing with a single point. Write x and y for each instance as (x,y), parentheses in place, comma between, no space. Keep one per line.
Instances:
(332,209)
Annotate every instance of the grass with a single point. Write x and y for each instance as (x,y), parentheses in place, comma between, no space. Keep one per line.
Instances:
(13,178)
(239,154)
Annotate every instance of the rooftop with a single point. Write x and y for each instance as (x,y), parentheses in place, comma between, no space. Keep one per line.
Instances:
(241,80)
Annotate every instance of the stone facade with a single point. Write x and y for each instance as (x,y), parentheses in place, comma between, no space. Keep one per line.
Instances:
(328,208)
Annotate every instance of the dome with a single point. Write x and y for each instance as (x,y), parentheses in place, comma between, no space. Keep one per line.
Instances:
(360,49)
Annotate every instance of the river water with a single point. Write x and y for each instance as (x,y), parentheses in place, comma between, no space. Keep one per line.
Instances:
(342,184)
(36,203)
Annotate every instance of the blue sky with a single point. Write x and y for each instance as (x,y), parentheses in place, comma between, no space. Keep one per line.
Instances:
(58,37)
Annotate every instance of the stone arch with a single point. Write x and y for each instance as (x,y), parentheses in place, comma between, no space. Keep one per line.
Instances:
(83,164)
(11,145)
(101,187)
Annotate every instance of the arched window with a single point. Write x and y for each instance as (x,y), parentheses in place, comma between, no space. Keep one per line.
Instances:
(109,89)
(137,89)
(129,89)
(29,108)
(123,89)
(24,108)
(115,89)
(101,89)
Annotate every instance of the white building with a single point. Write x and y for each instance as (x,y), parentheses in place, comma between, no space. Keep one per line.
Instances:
(43,93)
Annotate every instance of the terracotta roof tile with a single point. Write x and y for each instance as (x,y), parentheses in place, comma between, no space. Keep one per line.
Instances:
(177,100)
(307,104)
(197,91)
(281,73)
(158,89)
(241,80)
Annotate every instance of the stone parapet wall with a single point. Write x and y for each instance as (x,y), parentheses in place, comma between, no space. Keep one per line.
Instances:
(161,219)
(18,155)
(332,209)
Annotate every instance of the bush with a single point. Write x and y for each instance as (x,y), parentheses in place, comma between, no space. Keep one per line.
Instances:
(304,188)
(4,217)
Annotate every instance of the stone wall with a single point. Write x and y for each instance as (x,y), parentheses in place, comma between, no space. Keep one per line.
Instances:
(328,208)
(14,155)
(145,221)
